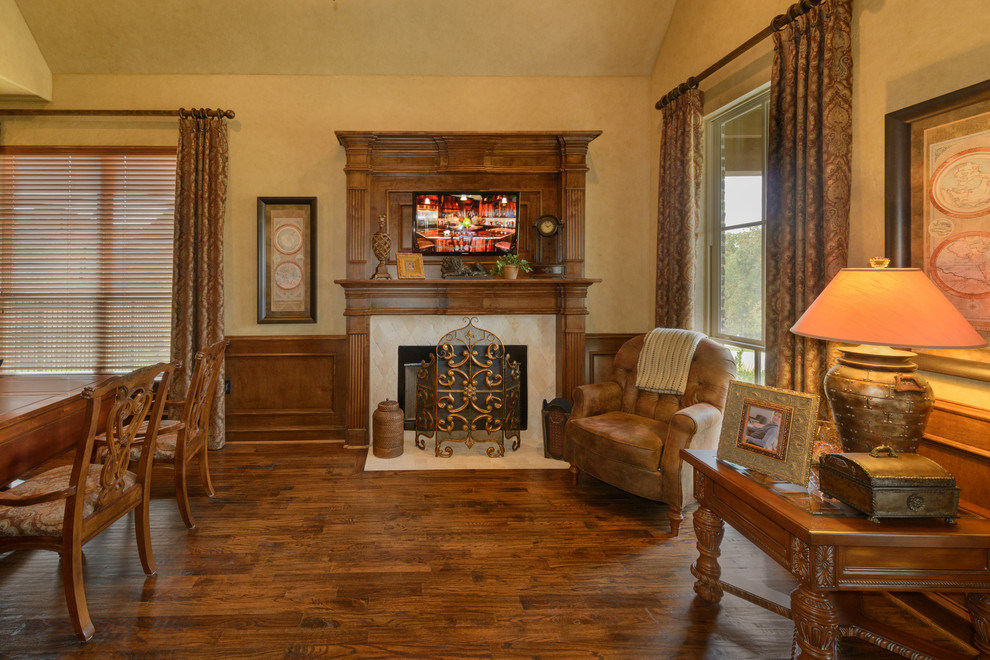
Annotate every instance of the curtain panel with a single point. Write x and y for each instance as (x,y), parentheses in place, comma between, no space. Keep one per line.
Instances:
(197,280)
(810,151)
(679,209)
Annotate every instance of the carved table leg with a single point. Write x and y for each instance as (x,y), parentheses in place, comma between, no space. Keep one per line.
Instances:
(709,529)
(979,608)
(816,624)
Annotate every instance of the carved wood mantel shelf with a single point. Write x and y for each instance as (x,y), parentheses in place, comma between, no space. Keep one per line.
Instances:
(385,168)
(453,297)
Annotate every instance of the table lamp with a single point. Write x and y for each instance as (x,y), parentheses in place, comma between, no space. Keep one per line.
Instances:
(874,392)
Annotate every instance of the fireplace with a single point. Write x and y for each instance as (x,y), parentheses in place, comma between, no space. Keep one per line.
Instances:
(534,332)
(384,172)
(411,359)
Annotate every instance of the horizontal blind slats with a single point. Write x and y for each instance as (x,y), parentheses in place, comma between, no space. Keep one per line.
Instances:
(85,259)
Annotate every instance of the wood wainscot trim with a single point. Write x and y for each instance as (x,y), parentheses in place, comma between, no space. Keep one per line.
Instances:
(286,388)
(599,351)
(958,438)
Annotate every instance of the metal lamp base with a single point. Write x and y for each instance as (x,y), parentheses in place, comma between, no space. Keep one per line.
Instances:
(877,398)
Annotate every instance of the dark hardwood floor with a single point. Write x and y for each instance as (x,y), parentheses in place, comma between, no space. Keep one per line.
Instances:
(301,554)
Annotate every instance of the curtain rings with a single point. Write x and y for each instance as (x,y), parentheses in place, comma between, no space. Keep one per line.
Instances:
(795,11)
(205,113)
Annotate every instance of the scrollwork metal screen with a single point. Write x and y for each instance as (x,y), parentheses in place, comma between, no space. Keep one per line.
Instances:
(468,392)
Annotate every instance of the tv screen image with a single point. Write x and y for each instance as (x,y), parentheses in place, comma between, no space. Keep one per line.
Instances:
(465,223)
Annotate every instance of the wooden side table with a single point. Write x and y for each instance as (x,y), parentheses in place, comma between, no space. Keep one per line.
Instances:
(836,554)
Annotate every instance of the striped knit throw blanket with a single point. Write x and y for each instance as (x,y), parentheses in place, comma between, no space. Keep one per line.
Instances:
(665,360)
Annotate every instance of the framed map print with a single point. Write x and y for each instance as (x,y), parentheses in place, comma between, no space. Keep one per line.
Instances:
(286,259)
(938,209)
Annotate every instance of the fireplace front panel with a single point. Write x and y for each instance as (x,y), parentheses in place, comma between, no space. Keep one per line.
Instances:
(410,358)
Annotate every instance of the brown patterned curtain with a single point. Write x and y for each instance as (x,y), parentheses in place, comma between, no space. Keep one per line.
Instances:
(197,280)
(810,150)
(679,209)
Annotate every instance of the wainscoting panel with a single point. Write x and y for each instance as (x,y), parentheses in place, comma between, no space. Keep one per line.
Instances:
(599,351)
(958,438)
(286,388)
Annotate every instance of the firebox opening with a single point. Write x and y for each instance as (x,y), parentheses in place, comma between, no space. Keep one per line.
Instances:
(410,358)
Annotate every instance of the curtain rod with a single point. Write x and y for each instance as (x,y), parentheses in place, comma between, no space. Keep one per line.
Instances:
(778,23)
(200,113)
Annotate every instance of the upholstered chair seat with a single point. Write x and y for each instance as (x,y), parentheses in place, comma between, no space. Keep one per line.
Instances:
(631,438)
(165,447)
(47,518)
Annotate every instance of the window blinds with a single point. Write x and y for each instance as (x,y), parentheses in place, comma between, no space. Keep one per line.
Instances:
(85,258)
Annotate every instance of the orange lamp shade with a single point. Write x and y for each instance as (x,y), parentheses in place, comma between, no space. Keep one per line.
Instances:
(886,307)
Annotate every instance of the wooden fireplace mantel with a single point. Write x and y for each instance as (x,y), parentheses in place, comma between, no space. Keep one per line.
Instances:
(454,297)
(385,168)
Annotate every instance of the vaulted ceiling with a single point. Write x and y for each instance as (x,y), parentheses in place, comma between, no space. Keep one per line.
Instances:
(350,37)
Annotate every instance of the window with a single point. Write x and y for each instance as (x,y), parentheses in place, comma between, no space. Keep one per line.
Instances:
(736,143)
(85,258)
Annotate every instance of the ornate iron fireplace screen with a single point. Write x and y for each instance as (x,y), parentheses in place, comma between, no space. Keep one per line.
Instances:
(468,391)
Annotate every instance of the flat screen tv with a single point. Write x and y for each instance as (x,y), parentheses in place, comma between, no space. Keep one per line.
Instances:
(465,223)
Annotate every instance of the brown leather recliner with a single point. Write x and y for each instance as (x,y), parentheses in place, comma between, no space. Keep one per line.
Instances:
(632,438)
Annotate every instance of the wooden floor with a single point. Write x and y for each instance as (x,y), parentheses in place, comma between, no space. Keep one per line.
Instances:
(300,554)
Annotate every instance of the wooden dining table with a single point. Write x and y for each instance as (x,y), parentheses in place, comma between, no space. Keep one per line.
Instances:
(40,417)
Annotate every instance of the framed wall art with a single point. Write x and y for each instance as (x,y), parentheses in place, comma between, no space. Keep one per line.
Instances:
(937,178)
(769,430)
(409,266)
(286,260)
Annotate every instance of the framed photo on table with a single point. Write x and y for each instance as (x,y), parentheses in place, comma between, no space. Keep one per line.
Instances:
(286,260)
(769,430)
(937,177)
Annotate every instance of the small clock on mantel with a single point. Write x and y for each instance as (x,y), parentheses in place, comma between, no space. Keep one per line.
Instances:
(549,235)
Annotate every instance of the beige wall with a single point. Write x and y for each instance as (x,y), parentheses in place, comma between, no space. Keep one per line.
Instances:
(282,143)
(904,51)
(23,70)
(282,140)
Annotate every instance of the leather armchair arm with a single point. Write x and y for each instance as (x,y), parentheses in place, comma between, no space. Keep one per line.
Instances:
(595,399)
(697,427)
(696,420)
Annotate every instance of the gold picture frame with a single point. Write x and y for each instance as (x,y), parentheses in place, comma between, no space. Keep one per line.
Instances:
(769,430)
(409,266)
(286,260)
(930,146)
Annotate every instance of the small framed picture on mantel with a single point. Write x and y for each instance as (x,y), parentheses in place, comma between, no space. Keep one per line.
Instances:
(409,266)
(286,259)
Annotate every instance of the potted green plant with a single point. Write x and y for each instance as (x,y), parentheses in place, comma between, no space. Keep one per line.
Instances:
(509,265)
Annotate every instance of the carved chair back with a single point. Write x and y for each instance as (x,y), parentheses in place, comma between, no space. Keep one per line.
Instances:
(63,508)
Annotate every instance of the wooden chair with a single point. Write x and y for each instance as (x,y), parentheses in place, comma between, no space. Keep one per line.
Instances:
(64,508)
(181,440)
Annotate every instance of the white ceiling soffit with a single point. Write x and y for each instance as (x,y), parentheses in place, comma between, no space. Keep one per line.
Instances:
(350,37)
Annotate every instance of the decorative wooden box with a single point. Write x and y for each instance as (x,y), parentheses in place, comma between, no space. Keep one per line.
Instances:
(885,484)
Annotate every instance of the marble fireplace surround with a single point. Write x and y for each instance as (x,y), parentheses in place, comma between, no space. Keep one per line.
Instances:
(383,170)
(536,332)
(547,315)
